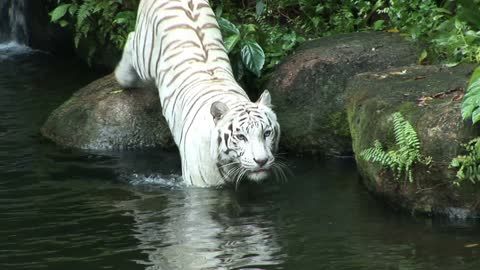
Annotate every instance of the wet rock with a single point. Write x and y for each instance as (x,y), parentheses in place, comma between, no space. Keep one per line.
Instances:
(103,116)
(429,98)
(308,88)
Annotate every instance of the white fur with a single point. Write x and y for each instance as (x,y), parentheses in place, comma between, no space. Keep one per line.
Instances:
(191,75)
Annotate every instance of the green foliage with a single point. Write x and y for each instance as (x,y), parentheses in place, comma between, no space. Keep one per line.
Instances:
(260,33)
(99,23)
(407,152)
(253,43)
(468,165)
(242,46)
(471,101)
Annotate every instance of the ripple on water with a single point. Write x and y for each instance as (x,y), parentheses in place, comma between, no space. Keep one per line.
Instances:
(154,181)
(12,49)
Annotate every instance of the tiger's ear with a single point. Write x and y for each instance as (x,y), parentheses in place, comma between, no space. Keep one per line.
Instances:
(218,110)
(265,99)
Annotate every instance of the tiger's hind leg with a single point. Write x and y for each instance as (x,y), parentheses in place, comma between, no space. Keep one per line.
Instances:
(125,73)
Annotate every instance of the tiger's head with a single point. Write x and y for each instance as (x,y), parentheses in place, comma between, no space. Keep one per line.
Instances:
(245,139)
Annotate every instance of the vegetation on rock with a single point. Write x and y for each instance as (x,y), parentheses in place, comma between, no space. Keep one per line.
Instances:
(469,164)
(259,33)
(471,101)
(406,154)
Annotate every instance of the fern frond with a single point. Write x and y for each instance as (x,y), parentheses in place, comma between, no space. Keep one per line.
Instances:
(469,164)
(400,160)
(84,11)
(399,128)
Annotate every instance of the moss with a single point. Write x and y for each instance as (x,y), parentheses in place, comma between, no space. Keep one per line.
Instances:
(339,124)
(408,108)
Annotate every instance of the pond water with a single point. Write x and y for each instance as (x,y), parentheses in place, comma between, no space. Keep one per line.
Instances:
(70,209)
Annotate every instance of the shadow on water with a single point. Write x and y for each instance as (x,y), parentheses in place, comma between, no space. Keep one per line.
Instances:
(70,209)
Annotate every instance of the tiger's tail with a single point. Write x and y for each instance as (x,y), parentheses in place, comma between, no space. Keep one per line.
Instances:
(125,73)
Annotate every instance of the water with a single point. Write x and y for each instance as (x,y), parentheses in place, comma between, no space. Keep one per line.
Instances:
(68,209)
(13,24)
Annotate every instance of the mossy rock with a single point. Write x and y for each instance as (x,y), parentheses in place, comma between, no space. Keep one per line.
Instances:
(429,98)
(308,88)
(102,115)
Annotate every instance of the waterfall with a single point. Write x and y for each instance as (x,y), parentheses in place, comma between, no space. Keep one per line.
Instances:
(13,25)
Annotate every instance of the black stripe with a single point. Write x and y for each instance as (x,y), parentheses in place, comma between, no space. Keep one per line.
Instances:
(168,45)
(172,56)
(192,119)
(203,5)
(177,75)
(179,26)
(225,137)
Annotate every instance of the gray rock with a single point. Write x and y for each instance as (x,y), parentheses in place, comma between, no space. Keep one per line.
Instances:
(373,97)
(308,88)
(104,116)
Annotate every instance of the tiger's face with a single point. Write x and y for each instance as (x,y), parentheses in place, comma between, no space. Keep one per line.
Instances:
(246,139)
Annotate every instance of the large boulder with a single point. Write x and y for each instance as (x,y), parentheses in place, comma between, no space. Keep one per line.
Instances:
(309,86)
(429,98)
(104,116)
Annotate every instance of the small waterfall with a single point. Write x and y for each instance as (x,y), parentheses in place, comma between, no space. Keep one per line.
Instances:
(13,25)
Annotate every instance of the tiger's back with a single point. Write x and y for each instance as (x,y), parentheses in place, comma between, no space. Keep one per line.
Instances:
(177,45)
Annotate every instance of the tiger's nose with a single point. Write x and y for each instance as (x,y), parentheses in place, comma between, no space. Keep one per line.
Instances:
(261,162)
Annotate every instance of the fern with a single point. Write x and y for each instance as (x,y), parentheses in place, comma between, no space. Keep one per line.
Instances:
(100,23)
(84,11)
(407,153)
(469,164)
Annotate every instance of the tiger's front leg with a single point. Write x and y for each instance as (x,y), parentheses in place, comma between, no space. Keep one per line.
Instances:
(125,73)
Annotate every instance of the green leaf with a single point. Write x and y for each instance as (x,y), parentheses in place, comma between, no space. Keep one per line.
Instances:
(259,8)
(63,23)
(253,57)
(471,101)
(467,110)
(228,27)
(59,12)
(249,28)
(422,57)
(83,12)
(73,9)
(476,115)
(219,11)
(450,65)
(378,24)
(231,42)
(475,76)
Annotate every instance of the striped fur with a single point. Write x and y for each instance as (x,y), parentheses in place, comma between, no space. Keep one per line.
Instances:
(178,47)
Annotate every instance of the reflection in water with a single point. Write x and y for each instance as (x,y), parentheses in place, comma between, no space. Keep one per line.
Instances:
(66,209)
(202,229)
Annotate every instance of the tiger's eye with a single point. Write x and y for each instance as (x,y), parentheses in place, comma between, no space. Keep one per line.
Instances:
(241,137)
(267,133)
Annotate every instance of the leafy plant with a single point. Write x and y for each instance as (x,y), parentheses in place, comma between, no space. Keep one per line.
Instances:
(471,100)
(241,44)
(254,44)
(259,33)
(406,154)
(100,23)
(468,165)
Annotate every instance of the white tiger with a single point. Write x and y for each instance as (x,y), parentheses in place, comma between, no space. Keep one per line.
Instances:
(222,136)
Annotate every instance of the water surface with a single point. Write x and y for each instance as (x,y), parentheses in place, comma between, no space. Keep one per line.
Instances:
(69,209)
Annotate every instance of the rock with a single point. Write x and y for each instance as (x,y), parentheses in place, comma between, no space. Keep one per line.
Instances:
(308,88)
(373,97)
(103,116)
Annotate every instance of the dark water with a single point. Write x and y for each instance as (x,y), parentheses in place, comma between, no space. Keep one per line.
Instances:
(67,209)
